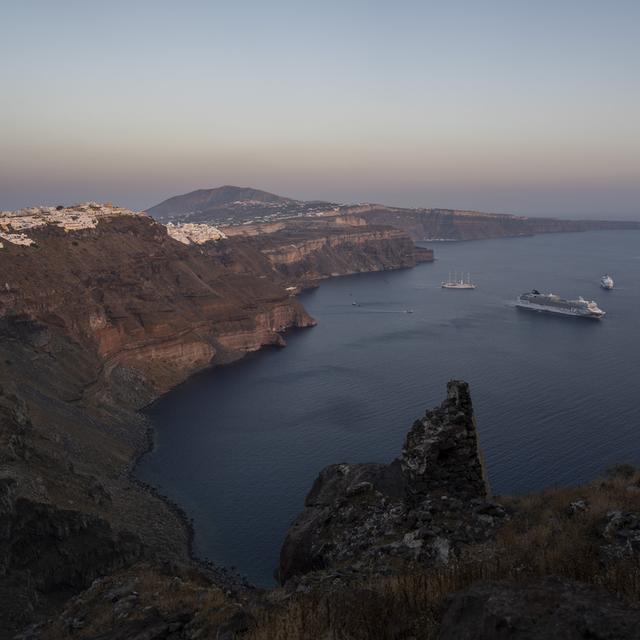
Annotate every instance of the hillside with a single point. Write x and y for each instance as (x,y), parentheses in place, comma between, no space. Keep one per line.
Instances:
(229,204)
(101,311)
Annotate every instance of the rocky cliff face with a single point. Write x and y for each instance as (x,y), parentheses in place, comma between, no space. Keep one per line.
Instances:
(96,319)
(142,301)
(309,249)
(68,513)
(450,224)
(101,311)
(418,510)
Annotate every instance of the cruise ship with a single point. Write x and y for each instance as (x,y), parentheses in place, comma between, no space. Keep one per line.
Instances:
(551,303)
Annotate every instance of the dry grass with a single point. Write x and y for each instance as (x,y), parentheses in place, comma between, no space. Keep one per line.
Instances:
(159,597)
(541,539)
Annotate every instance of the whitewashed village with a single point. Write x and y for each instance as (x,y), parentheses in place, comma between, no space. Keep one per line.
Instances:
(15,225)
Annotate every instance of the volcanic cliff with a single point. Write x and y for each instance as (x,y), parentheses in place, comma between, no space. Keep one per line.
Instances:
(101,310)
(453,224)
(310,249)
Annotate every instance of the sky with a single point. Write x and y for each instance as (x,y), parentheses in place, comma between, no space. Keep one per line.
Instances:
(512,106)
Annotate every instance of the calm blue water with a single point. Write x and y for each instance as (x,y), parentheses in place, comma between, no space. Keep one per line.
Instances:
(557,399)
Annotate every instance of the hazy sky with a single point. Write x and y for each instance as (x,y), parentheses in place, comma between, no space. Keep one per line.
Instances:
(516,106)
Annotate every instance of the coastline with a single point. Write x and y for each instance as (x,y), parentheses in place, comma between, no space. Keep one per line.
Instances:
(223,577)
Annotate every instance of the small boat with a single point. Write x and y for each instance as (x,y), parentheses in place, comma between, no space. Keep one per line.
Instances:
(606,282)
(458,282)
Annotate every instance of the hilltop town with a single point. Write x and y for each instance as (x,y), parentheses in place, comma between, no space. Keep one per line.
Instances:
(191,233)
(14,225)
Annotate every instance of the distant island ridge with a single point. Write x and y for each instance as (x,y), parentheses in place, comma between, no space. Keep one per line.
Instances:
(231,206)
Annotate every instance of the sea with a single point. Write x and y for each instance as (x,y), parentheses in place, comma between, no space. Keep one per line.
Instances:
(557,399)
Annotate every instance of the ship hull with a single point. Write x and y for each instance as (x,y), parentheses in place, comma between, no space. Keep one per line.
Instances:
(527,306)
(468,287)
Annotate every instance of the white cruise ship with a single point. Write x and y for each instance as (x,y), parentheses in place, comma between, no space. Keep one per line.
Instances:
(551,303)
(606,282)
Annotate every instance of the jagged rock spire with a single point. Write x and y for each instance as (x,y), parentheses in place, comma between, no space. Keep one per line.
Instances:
(441,450)
(417,511)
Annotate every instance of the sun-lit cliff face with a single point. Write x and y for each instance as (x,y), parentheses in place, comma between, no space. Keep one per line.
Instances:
(308,249)
(119,284)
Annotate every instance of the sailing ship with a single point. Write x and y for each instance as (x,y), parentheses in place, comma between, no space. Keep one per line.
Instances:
(458,282)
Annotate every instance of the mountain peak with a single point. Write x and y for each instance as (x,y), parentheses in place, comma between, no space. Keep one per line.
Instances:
(229,204)
(215,200)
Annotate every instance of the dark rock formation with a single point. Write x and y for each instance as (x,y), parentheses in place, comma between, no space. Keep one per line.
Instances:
(44,549)
(418,510)
(621,533)
(441,452)
(542,609)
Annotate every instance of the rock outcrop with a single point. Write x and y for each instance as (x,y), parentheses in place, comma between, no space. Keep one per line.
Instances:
(46,549)
(542,609)
(417,511)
